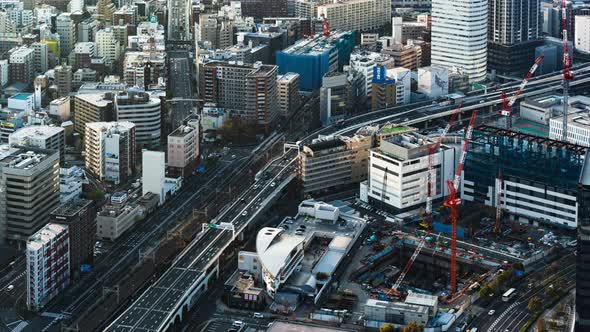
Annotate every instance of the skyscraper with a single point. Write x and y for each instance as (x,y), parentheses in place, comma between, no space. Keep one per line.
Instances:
(513,33)
(582,261)
(459,36)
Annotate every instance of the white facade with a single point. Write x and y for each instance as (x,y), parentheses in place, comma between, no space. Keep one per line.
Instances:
(433,81)
(48,264)
(107,46)
(183,146)
(153,173)
(403,79)
(60,108)
(70,183)
(144,111)
(43,137)
(459,36)
(398,172)
(66,29)
(365,62)
(4,72)
(356,15)
(22,102)
(582,37)
(578,126)
(41,53)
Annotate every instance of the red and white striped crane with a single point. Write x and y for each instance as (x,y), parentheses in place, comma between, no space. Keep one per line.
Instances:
(454,201)
(430,176)
(567,68)
(507,104)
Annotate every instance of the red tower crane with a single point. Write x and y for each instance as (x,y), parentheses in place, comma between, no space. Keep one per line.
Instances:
(567,68)
(454,201)
(431,150)
(325,25)
(507,104)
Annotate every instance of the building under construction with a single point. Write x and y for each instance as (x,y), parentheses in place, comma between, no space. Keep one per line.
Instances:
(538,177)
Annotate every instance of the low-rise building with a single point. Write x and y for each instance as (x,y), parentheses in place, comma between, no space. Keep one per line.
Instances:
(288,91)
(70,183)
(578,122)
(60,108)
(379,312)
(48,264)
(114,219)
(43,137)
(332,162)
(183,150)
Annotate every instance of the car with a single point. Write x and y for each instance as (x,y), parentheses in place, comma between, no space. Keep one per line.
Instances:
(233,155)
(10,287)
(245,213)
(491,312)
(238,323)
(258,315)
(272,185)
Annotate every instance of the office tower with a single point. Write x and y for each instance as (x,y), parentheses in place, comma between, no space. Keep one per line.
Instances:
(179,16)
(459,36)
(48,265)
(513,33)
(357,15)
(21,214)
(264,8)
(91,107)
(153,173)
(66,28)
(79,216)
(43,137)
(110,150)
(144,111)
(582,31)
(583,251)
(63,80)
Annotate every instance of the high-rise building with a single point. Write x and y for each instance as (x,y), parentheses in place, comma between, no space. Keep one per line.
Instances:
(179,17)
(365,62)
(83,54)
(91,107)
(87,29)
(22,214)
(154,173)
(334,162)
(144,111)
(43,137)
(79,216)
(357,15)
(385,94)
(583,251)
(4,72)
(288,93)
(107,46)
(22,65)
(48,265)
(110,150)
(40,59)
(144,68)
(264,8)
(66,28)
(459,36)
(63,79)
(217,30)
(582,32)
(248,91)
(183,149)
(551,19)
(513,33)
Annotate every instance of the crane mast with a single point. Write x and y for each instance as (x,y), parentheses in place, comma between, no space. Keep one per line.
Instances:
(567,69)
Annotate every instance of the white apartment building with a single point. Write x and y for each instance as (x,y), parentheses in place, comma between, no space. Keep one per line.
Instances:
(4,75)
(107,46)
(144,111)
(70,183)
(40,58)
(110,150)
(356,15)
(459,36)
(48,264)
(183,149)
(582,34)
(433,81)
(403,80)
(154,173)
(398,171)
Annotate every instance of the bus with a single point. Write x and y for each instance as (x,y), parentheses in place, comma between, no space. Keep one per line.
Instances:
(509,294)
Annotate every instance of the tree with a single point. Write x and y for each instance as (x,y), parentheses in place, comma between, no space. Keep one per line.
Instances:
(541,325)
(413,327)
(95,195)
(535,304)
(387,327)
(485,291)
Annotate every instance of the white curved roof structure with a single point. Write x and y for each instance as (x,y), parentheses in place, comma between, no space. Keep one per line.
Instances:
(275,249)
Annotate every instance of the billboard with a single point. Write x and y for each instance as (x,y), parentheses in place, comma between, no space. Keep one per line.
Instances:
(380,75)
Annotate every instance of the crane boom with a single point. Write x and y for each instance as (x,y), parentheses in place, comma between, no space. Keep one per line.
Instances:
(432,149)
(408,266)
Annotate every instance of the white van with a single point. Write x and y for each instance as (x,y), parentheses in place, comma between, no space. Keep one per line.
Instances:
(238,323)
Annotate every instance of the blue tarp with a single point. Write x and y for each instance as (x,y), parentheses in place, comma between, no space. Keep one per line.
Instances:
(446,229)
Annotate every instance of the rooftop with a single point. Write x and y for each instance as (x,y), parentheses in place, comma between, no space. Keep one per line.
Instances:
(22,96)
(114,125)
(23,157)
(72,207)
(281,326)
(181,131)
(314,46)
(396,306)
(35,131)
(287,77)
(96,99)
(45,235)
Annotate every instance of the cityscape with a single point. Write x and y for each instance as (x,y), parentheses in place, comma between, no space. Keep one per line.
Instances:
(295,165)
